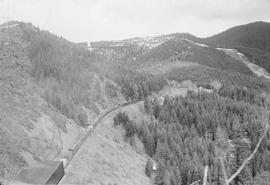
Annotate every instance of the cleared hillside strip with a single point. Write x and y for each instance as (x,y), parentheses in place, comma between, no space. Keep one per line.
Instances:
(259,71)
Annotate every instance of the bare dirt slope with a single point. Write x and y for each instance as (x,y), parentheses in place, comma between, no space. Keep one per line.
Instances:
(30,130)
(105,158)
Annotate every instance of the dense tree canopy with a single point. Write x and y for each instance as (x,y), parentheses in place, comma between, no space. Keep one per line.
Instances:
(66,72)
(186,134)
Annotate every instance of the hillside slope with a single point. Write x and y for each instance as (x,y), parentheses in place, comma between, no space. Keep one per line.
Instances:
(107,158)
(252,39)
(254,35)
(166,48)
(52,90)
(40,119)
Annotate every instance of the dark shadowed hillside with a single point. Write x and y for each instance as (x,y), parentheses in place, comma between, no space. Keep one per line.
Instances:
(254,35)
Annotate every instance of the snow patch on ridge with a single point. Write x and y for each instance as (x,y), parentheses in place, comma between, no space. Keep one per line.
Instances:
(9,26)
(146,42)
(150,42)
(197,44)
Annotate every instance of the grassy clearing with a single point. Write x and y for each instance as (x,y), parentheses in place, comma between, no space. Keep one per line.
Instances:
(106,158)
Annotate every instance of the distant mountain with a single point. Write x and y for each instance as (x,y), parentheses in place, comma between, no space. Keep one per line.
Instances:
(254,35)
(173,47)
(252,39)
(135,49)
(51,89)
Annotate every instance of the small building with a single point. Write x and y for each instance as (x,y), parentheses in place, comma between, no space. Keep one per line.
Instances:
(49,172)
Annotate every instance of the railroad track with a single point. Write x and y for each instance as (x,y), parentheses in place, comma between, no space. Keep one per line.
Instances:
(91,128)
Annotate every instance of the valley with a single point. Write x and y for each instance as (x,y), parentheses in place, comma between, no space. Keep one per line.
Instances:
(106,158)
(109,110)
(106,150)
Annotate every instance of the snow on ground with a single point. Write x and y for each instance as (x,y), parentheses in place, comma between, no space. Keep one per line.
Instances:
(259,71)
(145,42)
(9,26)
(89,46)
(150,42)
(197,44)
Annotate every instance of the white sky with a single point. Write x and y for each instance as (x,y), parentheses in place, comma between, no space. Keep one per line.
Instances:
(92,20)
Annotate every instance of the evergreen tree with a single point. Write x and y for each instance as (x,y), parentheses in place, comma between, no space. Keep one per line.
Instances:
(148,168)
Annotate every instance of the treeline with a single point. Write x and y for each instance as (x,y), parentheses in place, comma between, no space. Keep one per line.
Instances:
(55,57)
(65,71)
(204,75)
(71,75)
(251,96)
(137,85)
(188,133)
(122,119)
(257,56)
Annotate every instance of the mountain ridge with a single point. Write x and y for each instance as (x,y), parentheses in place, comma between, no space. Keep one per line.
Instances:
(251,39)
(52,89)
(172,47)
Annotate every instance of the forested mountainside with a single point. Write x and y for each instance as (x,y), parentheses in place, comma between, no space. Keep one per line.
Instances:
(187,133)
(53,89)
(183,135)
(252,39)
(49,94)
(169,48)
